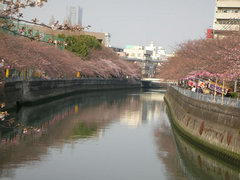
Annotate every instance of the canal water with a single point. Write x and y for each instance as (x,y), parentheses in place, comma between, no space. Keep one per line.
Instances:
(112,135)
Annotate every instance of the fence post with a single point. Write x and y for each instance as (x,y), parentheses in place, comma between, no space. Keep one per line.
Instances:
(25,75)
(215,94)
(222,91)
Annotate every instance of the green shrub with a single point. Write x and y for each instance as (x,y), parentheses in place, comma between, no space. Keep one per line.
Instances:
(81,44)
(62,36)
(234,94)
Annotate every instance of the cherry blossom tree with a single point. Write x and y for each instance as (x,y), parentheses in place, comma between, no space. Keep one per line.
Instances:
(23,54)
(216,56)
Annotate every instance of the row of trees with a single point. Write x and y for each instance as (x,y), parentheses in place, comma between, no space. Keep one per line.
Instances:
(23,54)
(219,58)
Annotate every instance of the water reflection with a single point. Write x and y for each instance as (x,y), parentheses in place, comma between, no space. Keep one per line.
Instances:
(144,108)
(57,123)
(166,147)
(105,135)
(199,165)
(184,160)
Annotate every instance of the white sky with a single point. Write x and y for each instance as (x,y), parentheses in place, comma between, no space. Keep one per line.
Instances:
(137,22)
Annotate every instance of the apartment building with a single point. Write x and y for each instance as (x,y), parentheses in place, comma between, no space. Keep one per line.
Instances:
(142,52)
(158,52)
(227,17)
(137,52)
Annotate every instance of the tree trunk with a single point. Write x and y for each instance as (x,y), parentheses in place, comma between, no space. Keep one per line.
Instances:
(235,86)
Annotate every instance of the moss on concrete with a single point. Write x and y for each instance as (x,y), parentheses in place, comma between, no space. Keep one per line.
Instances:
(223,154)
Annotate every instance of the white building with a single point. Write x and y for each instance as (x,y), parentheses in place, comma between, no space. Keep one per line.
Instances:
(74,15)
(1,7)
(151,57)
(227,17)
(107,39)
(137,52)
(158,52)
(141,52)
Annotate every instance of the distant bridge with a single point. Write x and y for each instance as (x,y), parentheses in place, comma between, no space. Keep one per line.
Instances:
(155,83)
(143,60)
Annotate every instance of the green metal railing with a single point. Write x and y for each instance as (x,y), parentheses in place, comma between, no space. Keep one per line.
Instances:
(23,30)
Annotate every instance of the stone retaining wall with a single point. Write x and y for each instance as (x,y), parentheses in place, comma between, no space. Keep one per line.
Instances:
(31,91)
(214,127)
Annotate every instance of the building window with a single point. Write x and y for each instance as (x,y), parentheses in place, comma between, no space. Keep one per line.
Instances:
(236,10)
(225,10)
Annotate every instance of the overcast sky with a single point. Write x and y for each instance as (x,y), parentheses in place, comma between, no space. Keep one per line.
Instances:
(138,22)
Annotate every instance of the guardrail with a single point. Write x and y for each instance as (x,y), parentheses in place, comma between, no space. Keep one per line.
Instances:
(227,101)
(11,75)
(20,79)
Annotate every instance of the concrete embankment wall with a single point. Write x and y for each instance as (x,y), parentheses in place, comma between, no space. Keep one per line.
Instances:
(31,91)
(214,128)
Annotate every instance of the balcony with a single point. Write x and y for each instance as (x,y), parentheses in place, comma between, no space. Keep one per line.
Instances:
(226,27)
(227,16)
(230,4)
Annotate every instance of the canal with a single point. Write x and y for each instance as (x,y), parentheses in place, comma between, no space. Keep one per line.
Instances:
(110,135)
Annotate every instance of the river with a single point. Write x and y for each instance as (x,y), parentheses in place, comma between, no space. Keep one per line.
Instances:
(107,135)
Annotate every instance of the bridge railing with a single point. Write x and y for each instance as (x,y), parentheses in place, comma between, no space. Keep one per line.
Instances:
(227,101)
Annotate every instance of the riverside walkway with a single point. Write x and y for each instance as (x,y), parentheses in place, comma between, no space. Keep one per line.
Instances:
(227,101)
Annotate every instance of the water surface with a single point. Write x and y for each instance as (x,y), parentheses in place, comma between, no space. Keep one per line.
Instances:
(102,136)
